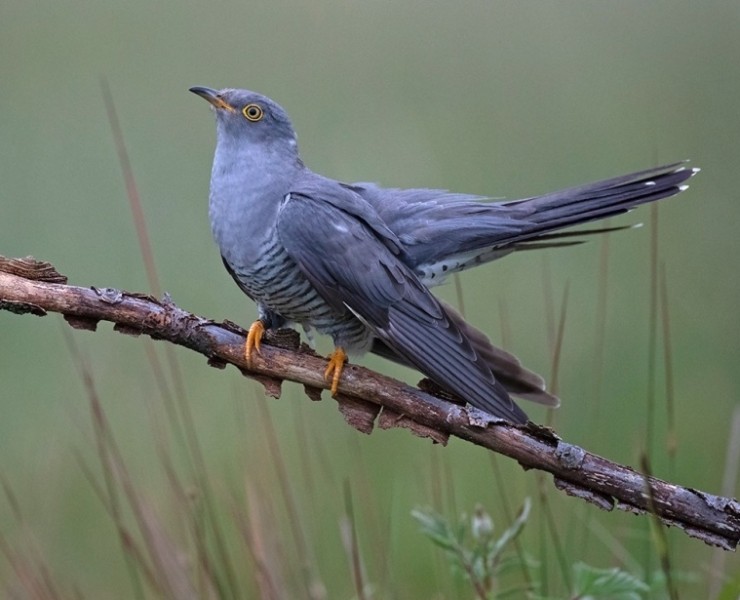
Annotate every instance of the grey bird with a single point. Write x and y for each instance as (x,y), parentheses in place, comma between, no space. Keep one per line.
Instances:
(355,261)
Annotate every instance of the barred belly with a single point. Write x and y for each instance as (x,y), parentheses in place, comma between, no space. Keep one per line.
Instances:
(276,282)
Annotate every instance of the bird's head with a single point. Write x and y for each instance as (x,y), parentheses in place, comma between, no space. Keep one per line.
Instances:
(246,117)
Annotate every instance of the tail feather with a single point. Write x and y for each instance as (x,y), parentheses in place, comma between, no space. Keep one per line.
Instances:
(563,239)
(446,233)
(592,201)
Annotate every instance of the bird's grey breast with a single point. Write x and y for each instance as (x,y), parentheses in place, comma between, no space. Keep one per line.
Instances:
(247,192)
(245,198)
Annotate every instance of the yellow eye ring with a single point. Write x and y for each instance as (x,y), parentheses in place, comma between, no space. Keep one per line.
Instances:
(253,112)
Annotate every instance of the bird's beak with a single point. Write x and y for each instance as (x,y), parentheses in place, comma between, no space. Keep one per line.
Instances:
(212,96)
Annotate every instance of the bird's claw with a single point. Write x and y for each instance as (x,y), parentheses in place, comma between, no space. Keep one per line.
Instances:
(334,369)
(254,340)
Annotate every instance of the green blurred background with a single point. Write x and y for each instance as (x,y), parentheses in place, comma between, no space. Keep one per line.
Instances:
(506,99)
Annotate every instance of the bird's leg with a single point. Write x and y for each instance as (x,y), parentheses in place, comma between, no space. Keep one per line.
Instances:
(254,339)
(335,367)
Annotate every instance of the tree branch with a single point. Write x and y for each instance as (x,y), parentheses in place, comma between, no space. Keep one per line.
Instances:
(367,398)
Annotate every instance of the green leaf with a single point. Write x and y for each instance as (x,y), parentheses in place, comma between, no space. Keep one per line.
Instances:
(614,584)
(436,528)
(511,532)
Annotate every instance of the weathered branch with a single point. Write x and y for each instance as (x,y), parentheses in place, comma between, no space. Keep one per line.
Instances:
(367,398)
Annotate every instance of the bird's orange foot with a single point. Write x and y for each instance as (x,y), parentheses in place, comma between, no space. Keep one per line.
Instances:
(254,339)
(334,369)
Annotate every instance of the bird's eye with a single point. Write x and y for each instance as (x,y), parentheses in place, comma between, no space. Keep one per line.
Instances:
(253,112)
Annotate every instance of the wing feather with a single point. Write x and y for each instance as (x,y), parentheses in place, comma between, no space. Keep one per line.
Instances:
(351,265)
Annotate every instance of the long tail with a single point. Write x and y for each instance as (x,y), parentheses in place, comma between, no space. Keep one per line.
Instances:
(450,233)
(592,201)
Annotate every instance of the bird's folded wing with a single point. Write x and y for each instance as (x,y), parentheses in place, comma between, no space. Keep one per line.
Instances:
(353,269)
